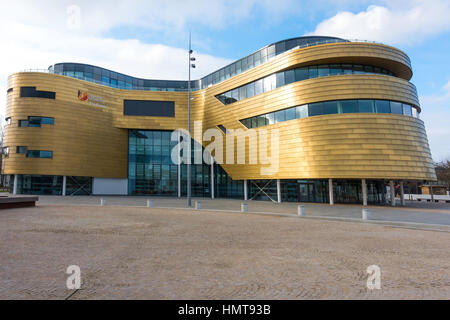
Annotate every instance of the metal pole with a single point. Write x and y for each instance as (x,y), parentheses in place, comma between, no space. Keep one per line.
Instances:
(212,177)
(330,191)
(364,191)
(179,167)
(189,129)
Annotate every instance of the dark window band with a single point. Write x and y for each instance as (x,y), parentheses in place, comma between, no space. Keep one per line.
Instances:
(149,108)
(36,121)
(279,79)
(330,107)
(31,92)
(39,154)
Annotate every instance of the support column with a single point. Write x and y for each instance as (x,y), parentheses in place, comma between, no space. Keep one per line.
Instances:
(391,187)
(15,184)
(212,177)
(179,166)
(431,192)
(245,190)
(330,189)
(402,194)
(364,191)
(64,185)
(278,191)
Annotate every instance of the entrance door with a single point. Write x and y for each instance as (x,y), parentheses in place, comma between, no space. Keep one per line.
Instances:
(306,192)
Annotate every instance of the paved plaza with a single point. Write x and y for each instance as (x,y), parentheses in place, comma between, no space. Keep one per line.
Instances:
(131,252)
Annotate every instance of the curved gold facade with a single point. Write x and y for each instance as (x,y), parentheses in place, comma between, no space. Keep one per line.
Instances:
(89,140)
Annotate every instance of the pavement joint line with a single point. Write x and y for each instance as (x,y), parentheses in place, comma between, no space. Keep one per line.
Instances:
(404,224)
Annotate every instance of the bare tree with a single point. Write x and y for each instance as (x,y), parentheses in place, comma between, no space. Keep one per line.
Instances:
(443,172)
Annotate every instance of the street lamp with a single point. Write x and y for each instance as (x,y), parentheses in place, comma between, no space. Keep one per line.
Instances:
(191,65)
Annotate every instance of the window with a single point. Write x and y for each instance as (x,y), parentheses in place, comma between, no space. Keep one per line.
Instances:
(301,74)
(242,92)
(335,69)
(5,151)
(280,116)
(315,109)
(330,107)
(21,149)
(347,69)
(270,118)
(313,72)
(396,107)
(8,120)
(247,122)
(23,123)
(289,76)
(366,106)
(407,110)
(324,71)
(323,108)
(301,111)
(349,106)
(250,89)
(31,92)
(382,106)
(9,90)
(36,122)
(259,87)
(280,79)
(235,95)
(39,154)
(290,114)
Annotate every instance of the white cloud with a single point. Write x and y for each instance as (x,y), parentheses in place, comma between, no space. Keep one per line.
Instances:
(407,23)
(436,115)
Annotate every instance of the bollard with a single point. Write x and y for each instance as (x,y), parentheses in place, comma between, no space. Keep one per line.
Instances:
(301,211)
(149,203)
(198,205)
(102,202)
(244,207)
(365,214)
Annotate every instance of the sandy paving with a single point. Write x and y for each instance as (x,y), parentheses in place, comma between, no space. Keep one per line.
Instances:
(140,253)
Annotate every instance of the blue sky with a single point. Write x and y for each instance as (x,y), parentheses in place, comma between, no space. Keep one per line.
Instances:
(148,38)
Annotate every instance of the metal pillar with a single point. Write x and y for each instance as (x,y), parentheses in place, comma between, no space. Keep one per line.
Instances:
(392,190)
(364,191)
(64,185)
(402,194)
(431,192)
(212,177)
(330,189)
(278,191)
(245,190)
(179,166)
(15,184)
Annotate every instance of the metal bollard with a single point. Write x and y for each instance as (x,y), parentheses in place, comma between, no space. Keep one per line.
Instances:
(102,202)
(365,214)
(149,203)
(301,211)
(244,207)
(198,205)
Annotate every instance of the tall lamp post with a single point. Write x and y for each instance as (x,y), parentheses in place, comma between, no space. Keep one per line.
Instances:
(191,65)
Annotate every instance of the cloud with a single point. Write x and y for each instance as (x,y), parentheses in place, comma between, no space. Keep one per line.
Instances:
(404,23)
(436,115)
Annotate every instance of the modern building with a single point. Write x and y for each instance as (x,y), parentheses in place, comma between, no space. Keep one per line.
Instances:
(346,115)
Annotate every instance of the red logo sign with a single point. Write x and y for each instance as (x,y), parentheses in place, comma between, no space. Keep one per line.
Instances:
(82,96)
